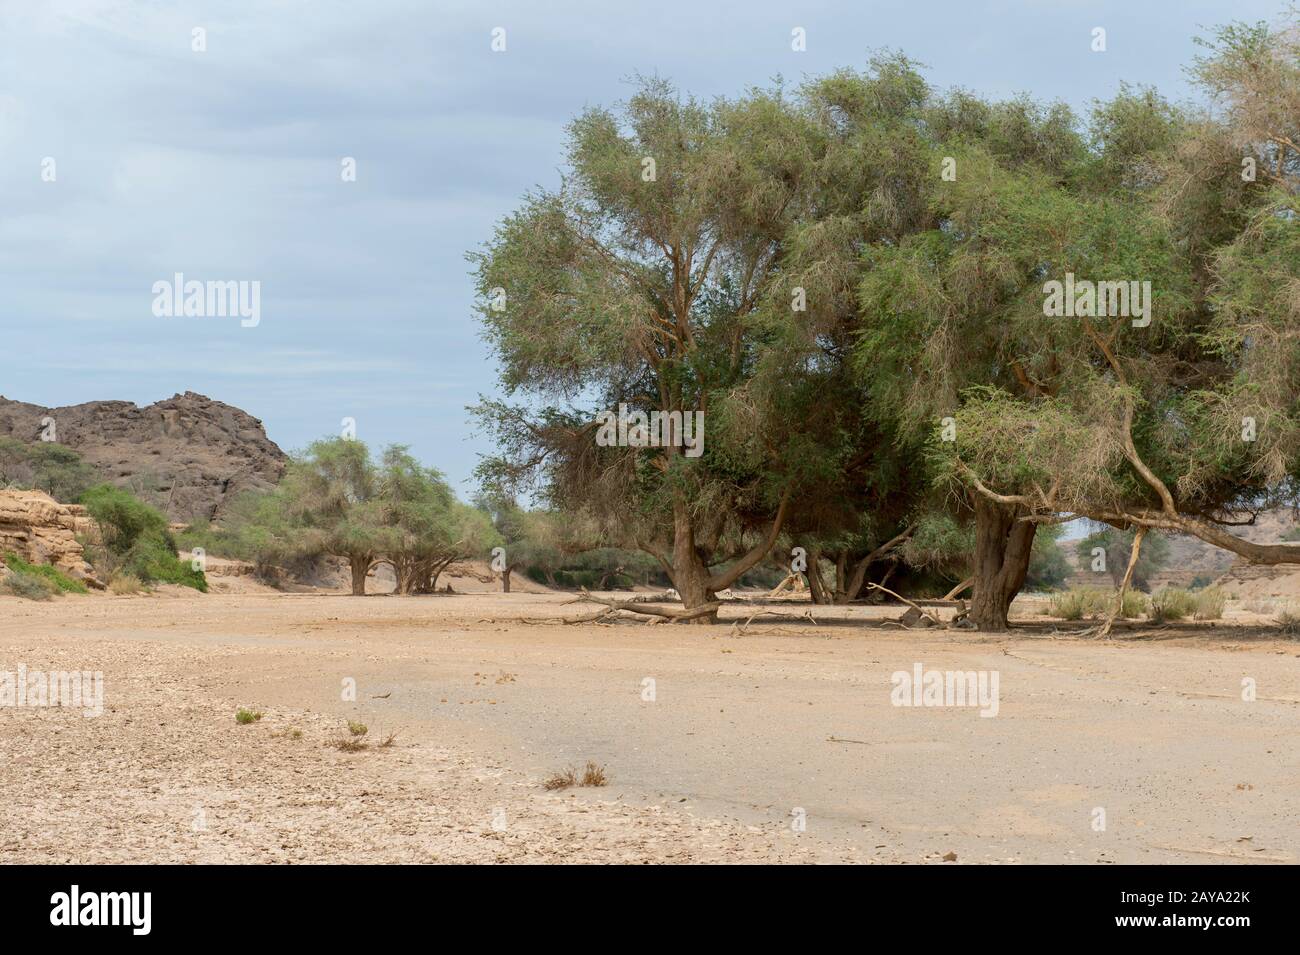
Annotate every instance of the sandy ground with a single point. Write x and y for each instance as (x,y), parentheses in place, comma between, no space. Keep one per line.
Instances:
(746,735)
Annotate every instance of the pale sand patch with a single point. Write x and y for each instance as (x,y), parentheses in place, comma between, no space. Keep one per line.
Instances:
(746,729)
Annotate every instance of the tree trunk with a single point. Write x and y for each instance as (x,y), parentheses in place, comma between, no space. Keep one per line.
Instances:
(505,580)
(1124,582)
(858,577)
(436,572)
(360,567)
(816,586)
(841,595)
(1002,548)
(691,576)
(856,580)
(404,574)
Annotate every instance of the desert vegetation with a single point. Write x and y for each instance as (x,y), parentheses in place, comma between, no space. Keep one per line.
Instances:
(835,315)
(850,283)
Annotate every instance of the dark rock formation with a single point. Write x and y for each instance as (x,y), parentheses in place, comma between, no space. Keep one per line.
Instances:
(187,455)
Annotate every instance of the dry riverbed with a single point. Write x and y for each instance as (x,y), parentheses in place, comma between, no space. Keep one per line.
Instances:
(781,743)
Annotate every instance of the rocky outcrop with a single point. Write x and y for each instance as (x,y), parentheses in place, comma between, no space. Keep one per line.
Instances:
(40,530)
(187,455)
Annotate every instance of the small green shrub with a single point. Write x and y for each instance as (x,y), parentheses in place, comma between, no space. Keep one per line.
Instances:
(1210,603)
(1135,604)
(1087,602)
(55,576)
(136,540)
(244,716)
(29,586)
(155,560)
(1172,603)
(1077,603)
(357,729)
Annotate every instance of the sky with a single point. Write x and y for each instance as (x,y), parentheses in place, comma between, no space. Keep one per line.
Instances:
(128,155)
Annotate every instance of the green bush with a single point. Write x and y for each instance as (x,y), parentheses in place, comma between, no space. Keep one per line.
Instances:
(156,561)
(136,539)
(1048,566)
(60,580)
(1210,603)
(1080,602)
(29,586)
(1172,603)
(217,542)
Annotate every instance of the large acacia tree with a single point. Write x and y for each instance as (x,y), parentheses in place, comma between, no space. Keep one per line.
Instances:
(640,282)
(1186,421)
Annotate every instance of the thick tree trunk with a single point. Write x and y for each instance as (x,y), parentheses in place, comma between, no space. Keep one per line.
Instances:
(360,567)
(688,568)
(816,586)
(856,579)
(404,574)
(690,574)
(1002,548)
(841,595)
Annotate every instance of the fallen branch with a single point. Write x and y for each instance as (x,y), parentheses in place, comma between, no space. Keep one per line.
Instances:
(550,621)
(636,607)
(792,582)
(930,616)
(739,628)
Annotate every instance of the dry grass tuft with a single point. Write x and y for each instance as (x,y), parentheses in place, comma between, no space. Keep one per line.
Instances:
(561,780)
(593,774)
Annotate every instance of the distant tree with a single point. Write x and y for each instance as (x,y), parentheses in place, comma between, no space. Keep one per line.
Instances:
(1117,546)
(46,466)
(327,502)
(528,538)
(422,530)
(1048,566)
(60,471)
(468,534)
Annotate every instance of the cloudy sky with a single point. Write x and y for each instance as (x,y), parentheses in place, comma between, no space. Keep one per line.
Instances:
(225,164)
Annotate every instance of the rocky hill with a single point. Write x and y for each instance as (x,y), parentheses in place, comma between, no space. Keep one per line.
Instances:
(186,455)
